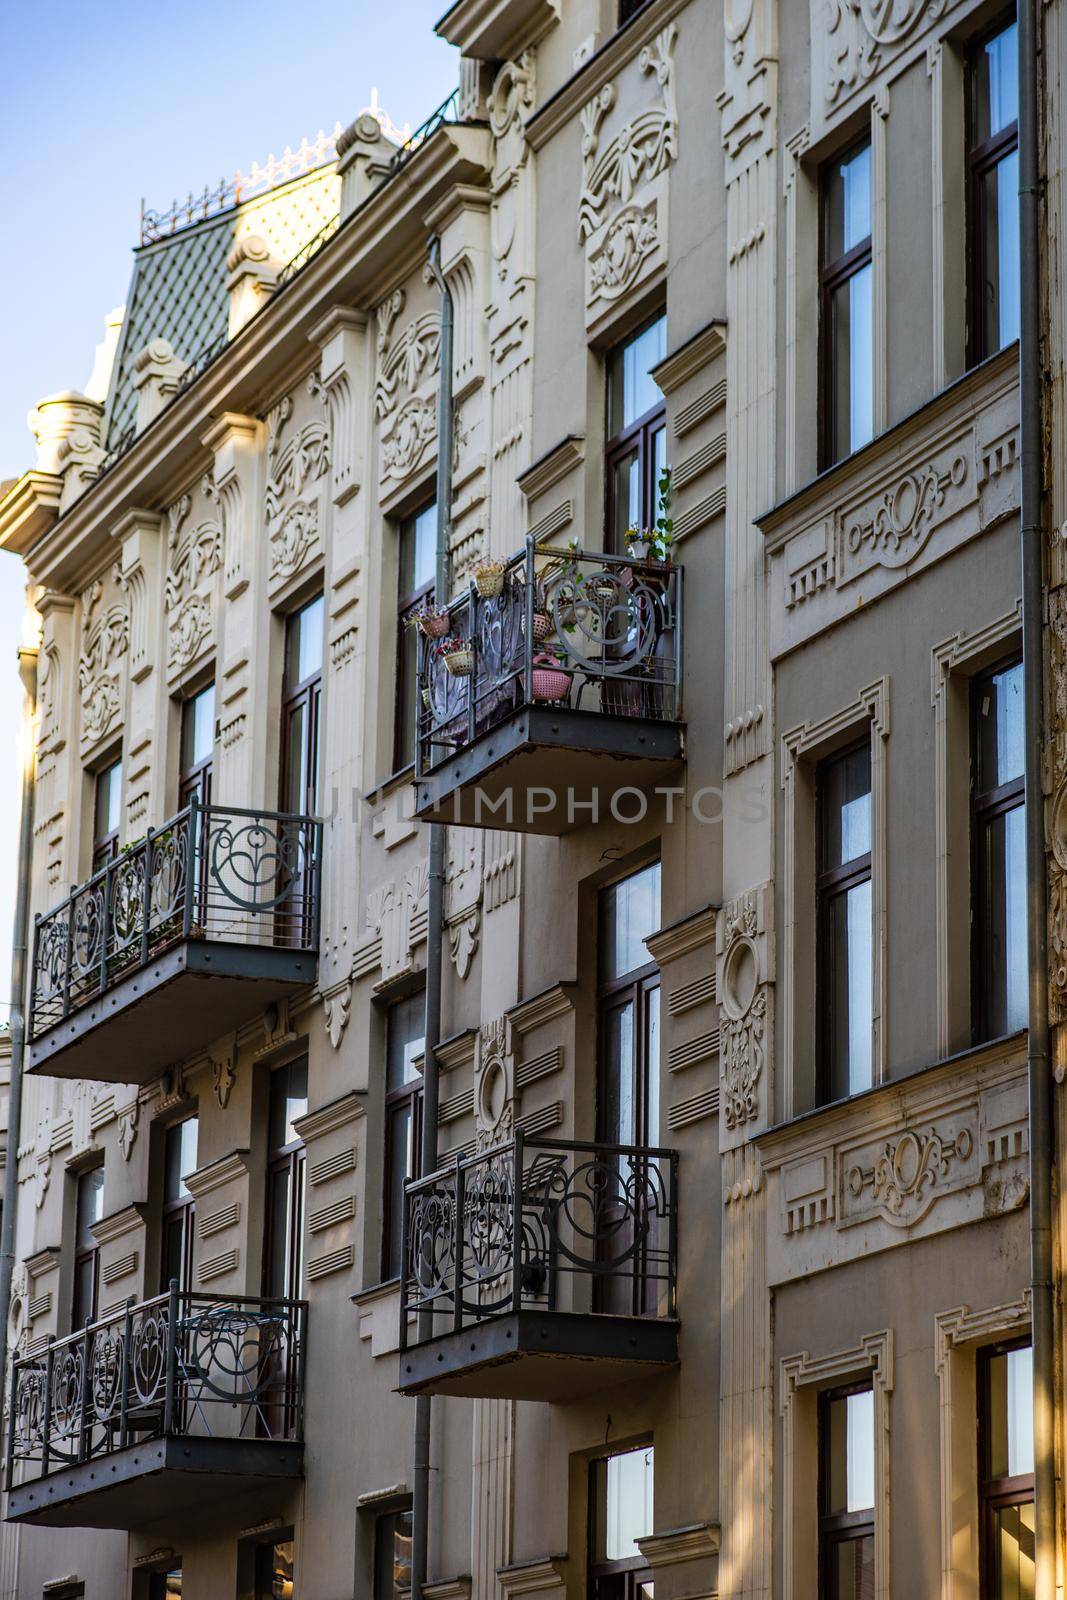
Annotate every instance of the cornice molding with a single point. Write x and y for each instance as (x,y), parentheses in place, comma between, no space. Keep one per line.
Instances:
(218,1173)
(448,1588)
(697,1540)
(533,1577)
(120,1223)
(691,933)
(552,466)
(29,509)
(690,358)
(381,1499)
(339,319)
(541,1008)
(457,1051)
(328,1118)
(497,30)
(43,1261)
(627,42)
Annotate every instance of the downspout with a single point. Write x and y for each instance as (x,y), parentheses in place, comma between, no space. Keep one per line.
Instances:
(420,1500)
(19,941)
(1038,1076)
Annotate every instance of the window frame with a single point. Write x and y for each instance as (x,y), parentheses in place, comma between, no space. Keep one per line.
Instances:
(981,160)
(392,1516)
(831,883)
(832,275)
(406,603)
(105,846)
(985,807)
(85,1254)
(838,1527)
(290,1157)
(182,1209)
(304,694)
(632,1570)
(194,781)
(640,433)
(249,1553)
(393,1100)
(994,1494)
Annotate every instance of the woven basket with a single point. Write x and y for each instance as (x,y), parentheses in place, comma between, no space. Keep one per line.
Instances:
(460,663)
(549,682)
(435,627)
(489,582)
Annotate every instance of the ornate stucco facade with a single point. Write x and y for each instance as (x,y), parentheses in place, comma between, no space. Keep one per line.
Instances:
(267,440)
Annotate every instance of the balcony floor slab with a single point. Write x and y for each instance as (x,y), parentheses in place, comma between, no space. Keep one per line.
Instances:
(179,1001)
(540,1355)
(163,1478)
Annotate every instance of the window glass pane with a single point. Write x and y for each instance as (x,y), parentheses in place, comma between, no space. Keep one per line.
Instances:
(618,1113)
(631,391)
(198,728)
(624,1503)
(853,372)
(1007,257)
(848,203)
(296,759)
(850,1452)
(1013,1552)
(303,655)
(84,1291)
(166,1585)
(90,1207)
(288,1100)
(274,1571)
(653,1067)
(180,1158)
(997,85)
(173,1262)
(1000,728)
(405,1040)
(108,790)
(629,912)
(853,1569)
(392,1556)
(626,497)
(280,1231)
(1004,934)
(850,945)
(1010,1424)
(400,1165)
(418,550)
(845,801)
(407,709)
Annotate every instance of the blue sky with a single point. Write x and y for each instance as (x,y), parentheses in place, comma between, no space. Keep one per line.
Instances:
(104,105)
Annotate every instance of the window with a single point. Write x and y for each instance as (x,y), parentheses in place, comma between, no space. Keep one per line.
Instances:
(283,1264)
(844,975)
(628,1064)
(418,554)
(392,1556)
(197,747)
(165,1585)
(993,212)
(301,694)
(846,1494)
(620,1499)
(845,319)
(636,449)
(88,1208)
(106,815)
(265,1567)
(179,1160)
(405,1038)
(1006,1471)
(998,834)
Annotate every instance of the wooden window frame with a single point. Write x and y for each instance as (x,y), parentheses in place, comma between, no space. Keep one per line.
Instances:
(296,697)
(830,884)
(839,1527)
(194,781)
(105,845)
(290,1157)
(832,275)
(249,1555)
(981,159)
(379,1590)
(632,1570)
(407,601)
(986,806)
(640,433)
(184,1207)
(994,1494)
(84,1254)
(395,1098)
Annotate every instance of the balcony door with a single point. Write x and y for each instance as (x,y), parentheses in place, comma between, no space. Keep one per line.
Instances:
(283,1258)
(628,1087)
(176,1245)
(299,789)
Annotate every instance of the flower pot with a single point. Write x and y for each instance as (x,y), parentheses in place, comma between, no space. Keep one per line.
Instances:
(542,625)
(489,581)
(638,549)
(549,681)
(460,663)
(435,627)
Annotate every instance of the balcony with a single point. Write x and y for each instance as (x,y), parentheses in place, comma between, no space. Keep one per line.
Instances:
(540,1270)
(577,659)
(157,1410)
(178,940)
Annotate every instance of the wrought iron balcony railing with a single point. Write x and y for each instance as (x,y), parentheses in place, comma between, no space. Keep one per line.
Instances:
(568,1232)
(223,1375)
(586,631)
(212,879)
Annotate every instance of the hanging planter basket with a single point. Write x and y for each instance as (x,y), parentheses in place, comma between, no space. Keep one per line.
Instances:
(542,625)
(459,659)
(434,624)
(489,579)
(549,681)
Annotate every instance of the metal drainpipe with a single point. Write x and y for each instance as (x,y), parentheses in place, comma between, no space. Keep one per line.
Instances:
(20,936)
(1038,1076)
(420,1500)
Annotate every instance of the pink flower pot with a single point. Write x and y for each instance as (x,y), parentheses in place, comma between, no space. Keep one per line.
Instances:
(549,682)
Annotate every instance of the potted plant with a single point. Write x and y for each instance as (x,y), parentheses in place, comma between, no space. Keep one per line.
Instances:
(638,542)
(433,620)
(458,654)
(550,680)
(488,578)
(663,536)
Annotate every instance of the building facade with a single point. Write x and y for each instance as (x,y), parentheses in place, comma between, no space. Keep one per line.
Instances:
(718,1281)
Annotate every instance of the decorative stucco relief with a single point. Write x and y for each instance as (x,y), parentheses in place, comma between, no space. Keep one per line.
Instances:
(405,395)
(745,997)
(862,35)
(463,896)
(494,1089)
(395,924)
(194,556)
(298,463)
(106,639)
(1057,805)
(622,208)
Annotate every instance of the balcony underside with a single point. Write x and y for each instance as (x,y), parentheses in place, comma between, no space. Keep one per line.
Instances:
(180,1001)
(540,1355)
(166,1478)
(547,769)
